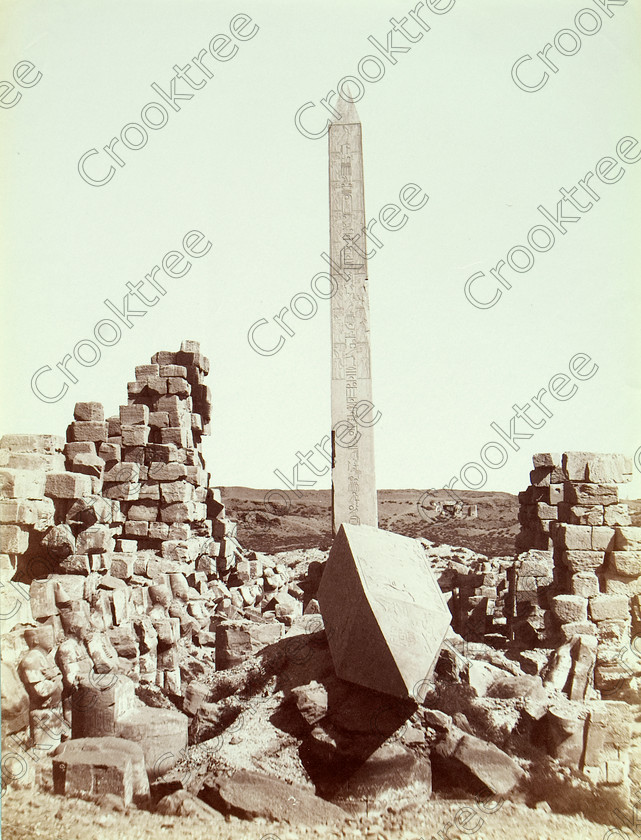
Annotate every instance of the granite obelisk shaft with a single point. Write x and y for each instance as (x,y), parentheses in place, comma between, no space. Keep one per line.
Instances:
(353,477)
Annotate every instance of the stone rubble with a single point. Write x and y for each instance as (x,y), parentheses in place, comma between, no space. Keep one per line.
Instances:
(160,665)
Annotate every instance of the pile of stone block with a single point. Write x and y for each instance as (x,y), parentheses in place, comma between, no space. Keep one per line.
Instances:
(134,571)
(571,516)
(592,737)
(531,580)
(579,488)
(149,457)
(27,466)
(480,601)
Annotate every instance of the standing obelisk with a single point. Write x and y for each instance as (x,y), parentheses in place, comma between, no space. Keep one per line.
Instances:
(353,478)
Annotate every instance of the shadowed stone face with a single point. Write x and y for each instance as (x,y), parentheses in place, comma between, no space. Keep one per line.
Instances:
(384,613)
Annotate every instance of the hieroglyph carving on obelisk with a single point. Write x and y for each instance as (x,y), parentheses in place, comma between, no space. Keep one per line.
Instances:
(353,478)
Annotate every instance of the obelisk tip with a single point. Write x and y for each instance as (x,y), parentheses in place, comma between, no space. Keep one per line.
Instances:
(345,108)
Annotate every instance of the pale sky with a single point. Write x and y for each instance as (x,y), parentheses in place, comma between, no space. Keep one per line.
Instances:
(447,117)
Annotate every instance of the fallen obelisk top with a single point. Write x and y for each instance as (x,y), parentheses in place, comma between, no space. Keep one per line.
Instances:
(353,476)
(385,615)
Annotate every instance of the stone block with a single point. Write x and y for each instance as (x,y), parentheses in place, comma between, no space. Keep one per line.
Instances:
(32,443)
(166,471)
(626,563)
(615,772)
(609,679)
(573,537)
(134,455)
(628,538)
(385,615)
(13,539)
(133,415)
(197,476)
(76,564)
(582,561)
(183,512)
(136,529)
(135,435)
(126,546)
(577,628)
(609,469)
(614,584)
(206,564)
(93,766)
(263,798)
(555,494)
(158,530)
(69,592)
(125,491)
(569,608)
(43,599)
(591,494)
(150,490)
(545,511)
(585,584)
(609,731)
(88,430)
(549,460)
(145,371)
(161,733)
(73,448)
(173,370)
(179,436)
(490,765)
(617,515)
(158,419)
(164,357)
(121,565)
(90,510)
(156,385)
(67,485)
(32,461)
(176,491)
(603,607)
(110,452)
(95,540)
(614,640)
(38,513)
(88,464)
(101,700)
(22,484)
(143,511)
(566,725)
(540,477)
(123,472)
(602,538)
(179,386)
(113,427)
(89,411)
(575,465)
(591,515)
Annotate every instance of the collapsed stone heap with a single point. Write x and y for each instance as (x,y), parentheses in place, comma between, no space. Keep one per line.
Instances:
(131,565)
(480,606)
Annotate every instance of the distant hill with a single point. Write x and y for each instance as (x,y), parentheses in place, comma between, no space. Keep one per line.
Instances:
(276,521)
(269,521)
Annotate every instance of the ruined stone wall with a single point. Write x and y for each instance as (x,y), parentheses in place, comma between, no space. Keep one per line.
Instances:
(125,561)
(582,573)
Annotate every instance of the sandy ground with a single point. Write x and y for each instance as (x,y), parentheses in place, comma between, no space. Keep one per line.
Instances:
(26,816)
